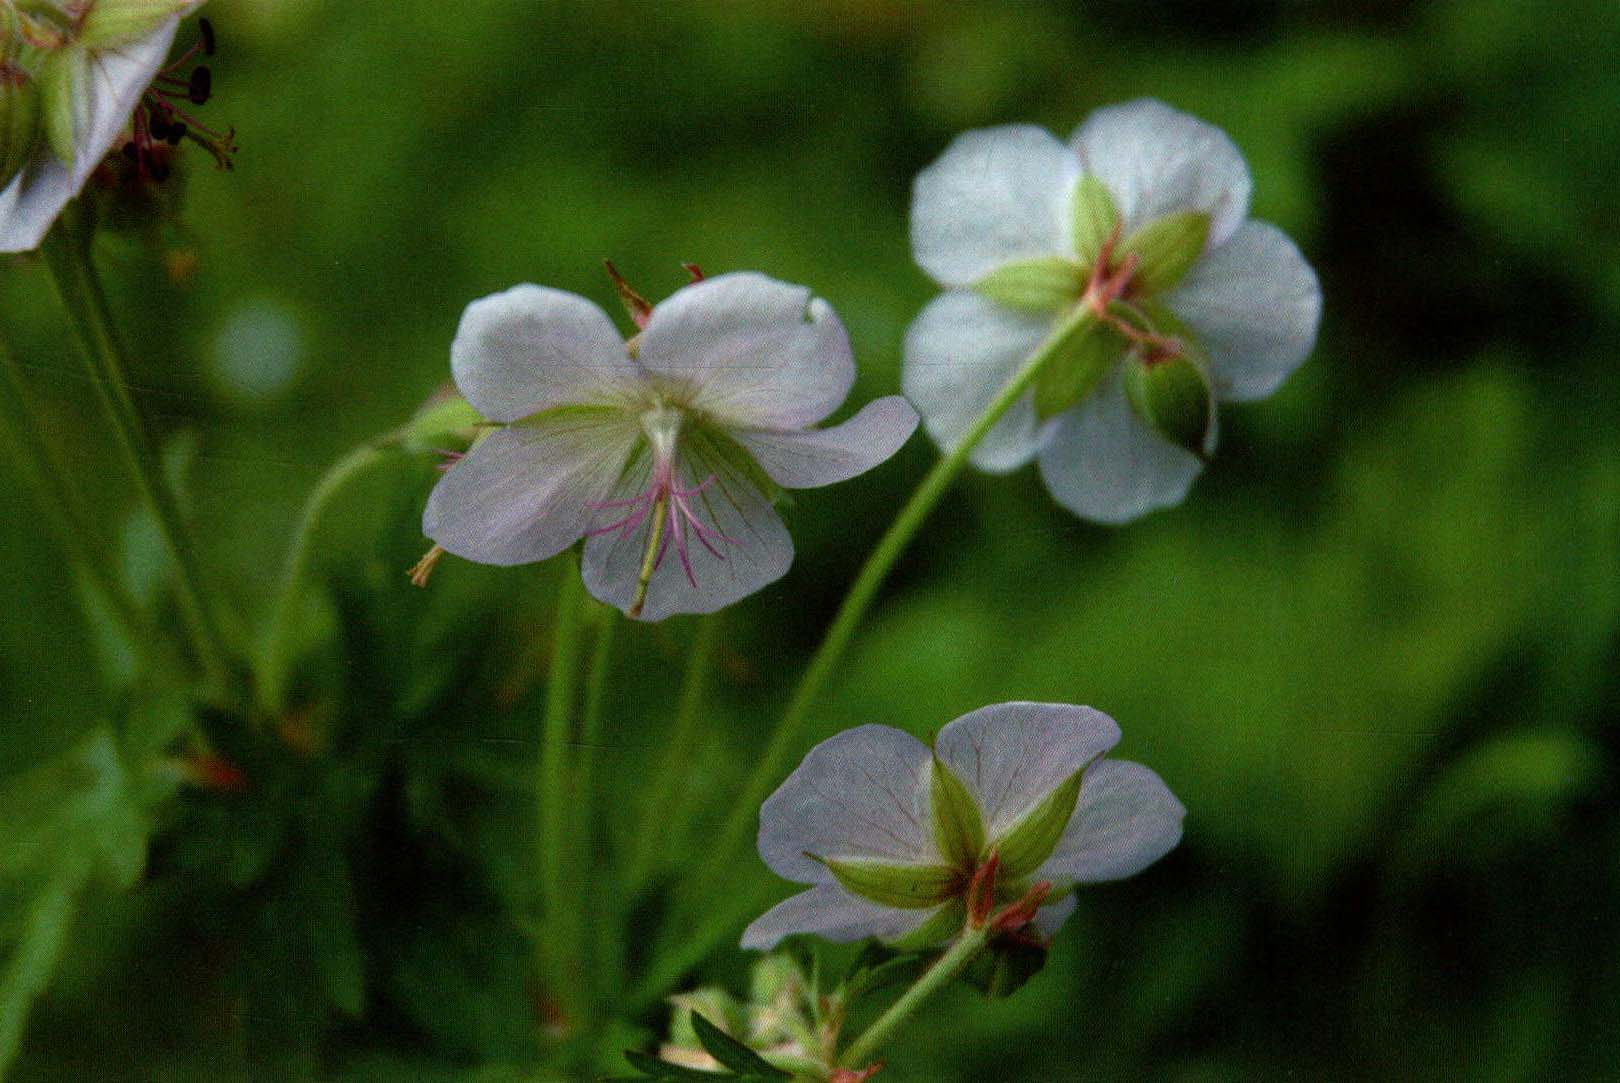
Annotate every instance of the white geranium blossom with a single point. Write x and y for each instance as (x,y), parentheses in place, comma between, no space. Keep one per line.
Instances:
(864,820)
(103,55)
(661,452)
(1142,217)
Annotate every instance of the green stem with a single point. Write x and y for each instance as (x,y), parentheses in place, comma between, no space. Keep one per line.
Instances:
(935,978)
(58,498)
(606,969)
(861,594)
(272,672)
(67,252)
(659,830)
(552,780)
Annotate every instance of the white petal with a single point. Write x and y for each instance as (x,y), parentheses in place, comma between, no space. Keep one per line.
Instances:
(750,351)
(830,912)
(1103,463)
(1050,918)
(530,348)
(859,794)
(524,493)
(996,195)
(804,460)
(1156,160)
(110,85)
(1012,755)
(746,547)
(960,351)
(1254,305)
(1126,819)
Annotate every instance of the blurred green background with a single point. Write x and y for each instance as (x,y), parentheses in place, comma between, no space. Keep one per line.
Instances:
(1374,652)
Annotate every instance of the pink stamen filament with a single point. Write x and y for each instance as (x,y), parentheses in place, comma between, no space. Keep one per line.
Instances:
(679,522)
(1109,284)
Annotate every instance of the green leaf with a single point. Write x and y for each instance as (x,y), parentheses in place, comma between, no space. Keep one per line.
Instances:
(1096,217)
(1029,842)
(1167,248)
(27,971)
(958,825)
(1173,396)
(1044,284)
(653,1068)
(732,1053)
(909,887)
(1074,372)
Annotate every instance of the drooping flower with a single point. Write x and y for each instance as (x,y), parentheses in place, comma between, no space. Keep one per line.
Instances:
(76,77)
(664,452)
(1130,251)
(894,837)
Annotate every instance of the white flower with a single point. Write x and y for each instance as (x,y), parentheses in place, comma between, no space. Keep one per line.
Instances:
(662,455)
(890,833)
(1142,219)
(105,55)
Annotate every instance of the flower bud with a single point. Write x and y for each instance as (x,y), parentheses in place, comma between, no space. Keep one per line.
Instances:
(19,121)
(1172,394)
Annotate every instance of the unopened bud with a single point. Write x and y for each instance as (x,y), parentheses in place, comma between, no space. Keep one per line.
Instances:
(1171,392)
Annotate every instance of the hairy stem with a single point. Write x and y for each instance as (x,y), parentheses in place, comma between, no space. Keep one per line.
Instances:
(935,978)
(67,252)
(557,931)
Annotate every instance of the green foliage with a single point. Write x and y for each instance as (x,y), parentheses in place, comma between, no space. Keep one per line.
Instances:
(1373,653)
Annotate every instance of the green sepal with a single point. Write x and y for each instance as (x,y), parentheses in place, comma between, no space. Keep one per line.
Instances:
(59,83)
(652,1067)
(934,931)
(111,23)
(19,121)
(958,824)
(1173,396)
(1096,217)
(908,887)
(733,1054)
(450,420)
(1044,284)
(1027,845)
(1166,249)
(1077,367)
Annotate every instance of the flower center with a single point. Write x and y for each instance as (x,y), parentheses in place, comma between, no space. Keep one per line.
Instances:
(1110,297)
(670,510)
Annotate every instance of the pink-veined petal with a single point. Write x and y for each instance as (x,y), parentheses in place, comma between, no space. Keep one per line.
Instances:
(1253,304)
(804,460)
(861,793)
(1103,463)
(750,351)
(1010,756)
(960,351)
(996,195)
(531,348)
(524,493)
(830,912)
(1156,160)
(1126,819)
